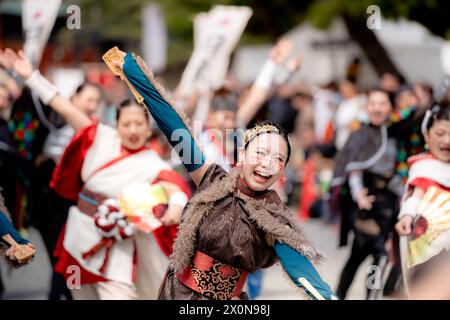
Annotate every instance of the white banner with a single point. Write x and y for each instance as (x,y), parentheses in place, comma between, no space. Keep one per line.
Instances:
(38,18)
(67,80)
(154,37)
(216,34)
(445,57)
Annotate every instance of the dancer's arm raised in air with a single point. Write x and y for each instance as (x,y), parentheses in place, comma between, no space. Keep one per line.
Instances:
(46,91)
(267,80)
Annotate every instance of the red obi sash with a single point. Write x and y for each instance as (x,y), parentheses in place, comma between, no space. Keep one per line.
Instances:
(88,202)
(212,278)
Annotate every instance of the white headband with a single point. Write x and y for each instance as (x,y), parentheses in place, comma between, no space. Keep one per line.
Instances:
(427,117)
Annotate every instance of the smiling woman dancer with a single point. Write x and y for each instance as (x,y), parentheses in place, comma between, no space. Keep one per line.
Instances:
(234,224)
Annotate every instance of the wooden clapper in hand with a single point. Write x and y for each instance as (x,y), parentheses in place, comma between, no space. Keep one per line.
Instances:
(22,253)
(111,55)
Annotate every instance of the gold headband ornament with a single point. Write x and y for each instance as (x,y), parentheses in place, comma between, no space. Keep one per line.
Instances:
(257,130)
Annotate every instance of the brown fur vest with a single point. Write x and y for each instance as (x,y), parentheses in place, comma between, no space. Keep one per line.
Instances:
(269,214)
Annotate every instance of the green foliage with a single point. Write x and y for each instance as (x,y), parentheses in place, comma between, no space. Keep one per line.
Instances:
(113,20)
(270,18)
(321,12)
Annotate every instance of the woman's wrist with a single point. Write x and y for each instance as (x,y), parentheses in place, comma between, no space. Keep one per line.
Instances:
(267,74)
(409,207)
(406,216)
(44,89)
(26,76)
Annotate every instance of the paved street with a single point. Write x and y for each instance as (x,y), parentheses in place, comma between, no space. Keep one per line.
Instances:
(32,282)
(324,237)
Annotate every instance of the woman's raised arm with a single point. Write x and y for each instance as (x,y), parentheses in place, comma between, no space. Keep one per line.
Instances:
(261,88)
(46,91)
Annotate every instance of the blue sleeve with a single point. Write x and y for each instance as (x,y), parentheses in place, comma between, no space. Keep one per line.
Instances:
(165,116)
(298,266)
(6,227)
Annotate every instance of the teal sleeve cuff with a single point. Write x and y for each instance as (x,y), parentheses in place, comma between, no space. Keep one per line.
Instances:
(167,119)
(298,266)
(6,227)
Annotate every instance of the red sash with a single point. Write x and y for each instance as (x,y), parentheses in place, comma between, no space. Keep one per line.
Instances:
(213,278)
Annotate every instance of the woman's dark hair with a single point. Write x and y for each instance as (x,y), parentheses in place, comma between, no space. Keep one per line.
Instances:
(438,113)
(332,85)
(390,95)
(224,100)
(426,87)
(403,89)
(86,84)
(400,78)
(281,132)
(129,103)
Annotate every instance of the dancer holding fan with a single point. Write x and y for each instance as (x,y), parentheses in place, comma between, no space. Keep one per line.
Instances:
(424,218)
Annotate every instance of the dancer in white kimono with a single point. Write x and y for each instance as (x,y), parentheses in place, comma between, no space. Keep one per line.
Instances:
(424,218)
(102,252)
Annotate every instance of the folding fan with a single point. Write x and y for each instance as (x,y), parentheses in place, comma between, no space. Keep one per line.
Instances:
(431,229)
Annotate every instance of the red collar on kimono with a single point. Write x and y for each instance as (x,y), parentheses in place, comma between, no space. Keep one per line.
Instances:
(125,151)
(245,189)
(419,157)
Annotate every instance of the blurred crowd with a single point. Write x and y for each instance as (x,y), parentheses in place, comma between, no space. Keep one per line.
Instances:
(319,118)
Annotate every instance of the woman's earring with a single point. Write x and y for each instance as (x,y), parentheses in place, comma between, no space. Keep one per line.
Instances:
(427,147)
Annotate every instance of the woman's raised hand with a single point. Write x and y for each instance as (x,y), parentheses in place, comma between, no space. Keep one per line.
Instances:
(17,62)
(281,51)
(295,63)
(5,60)
(122,53)
(119,63)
